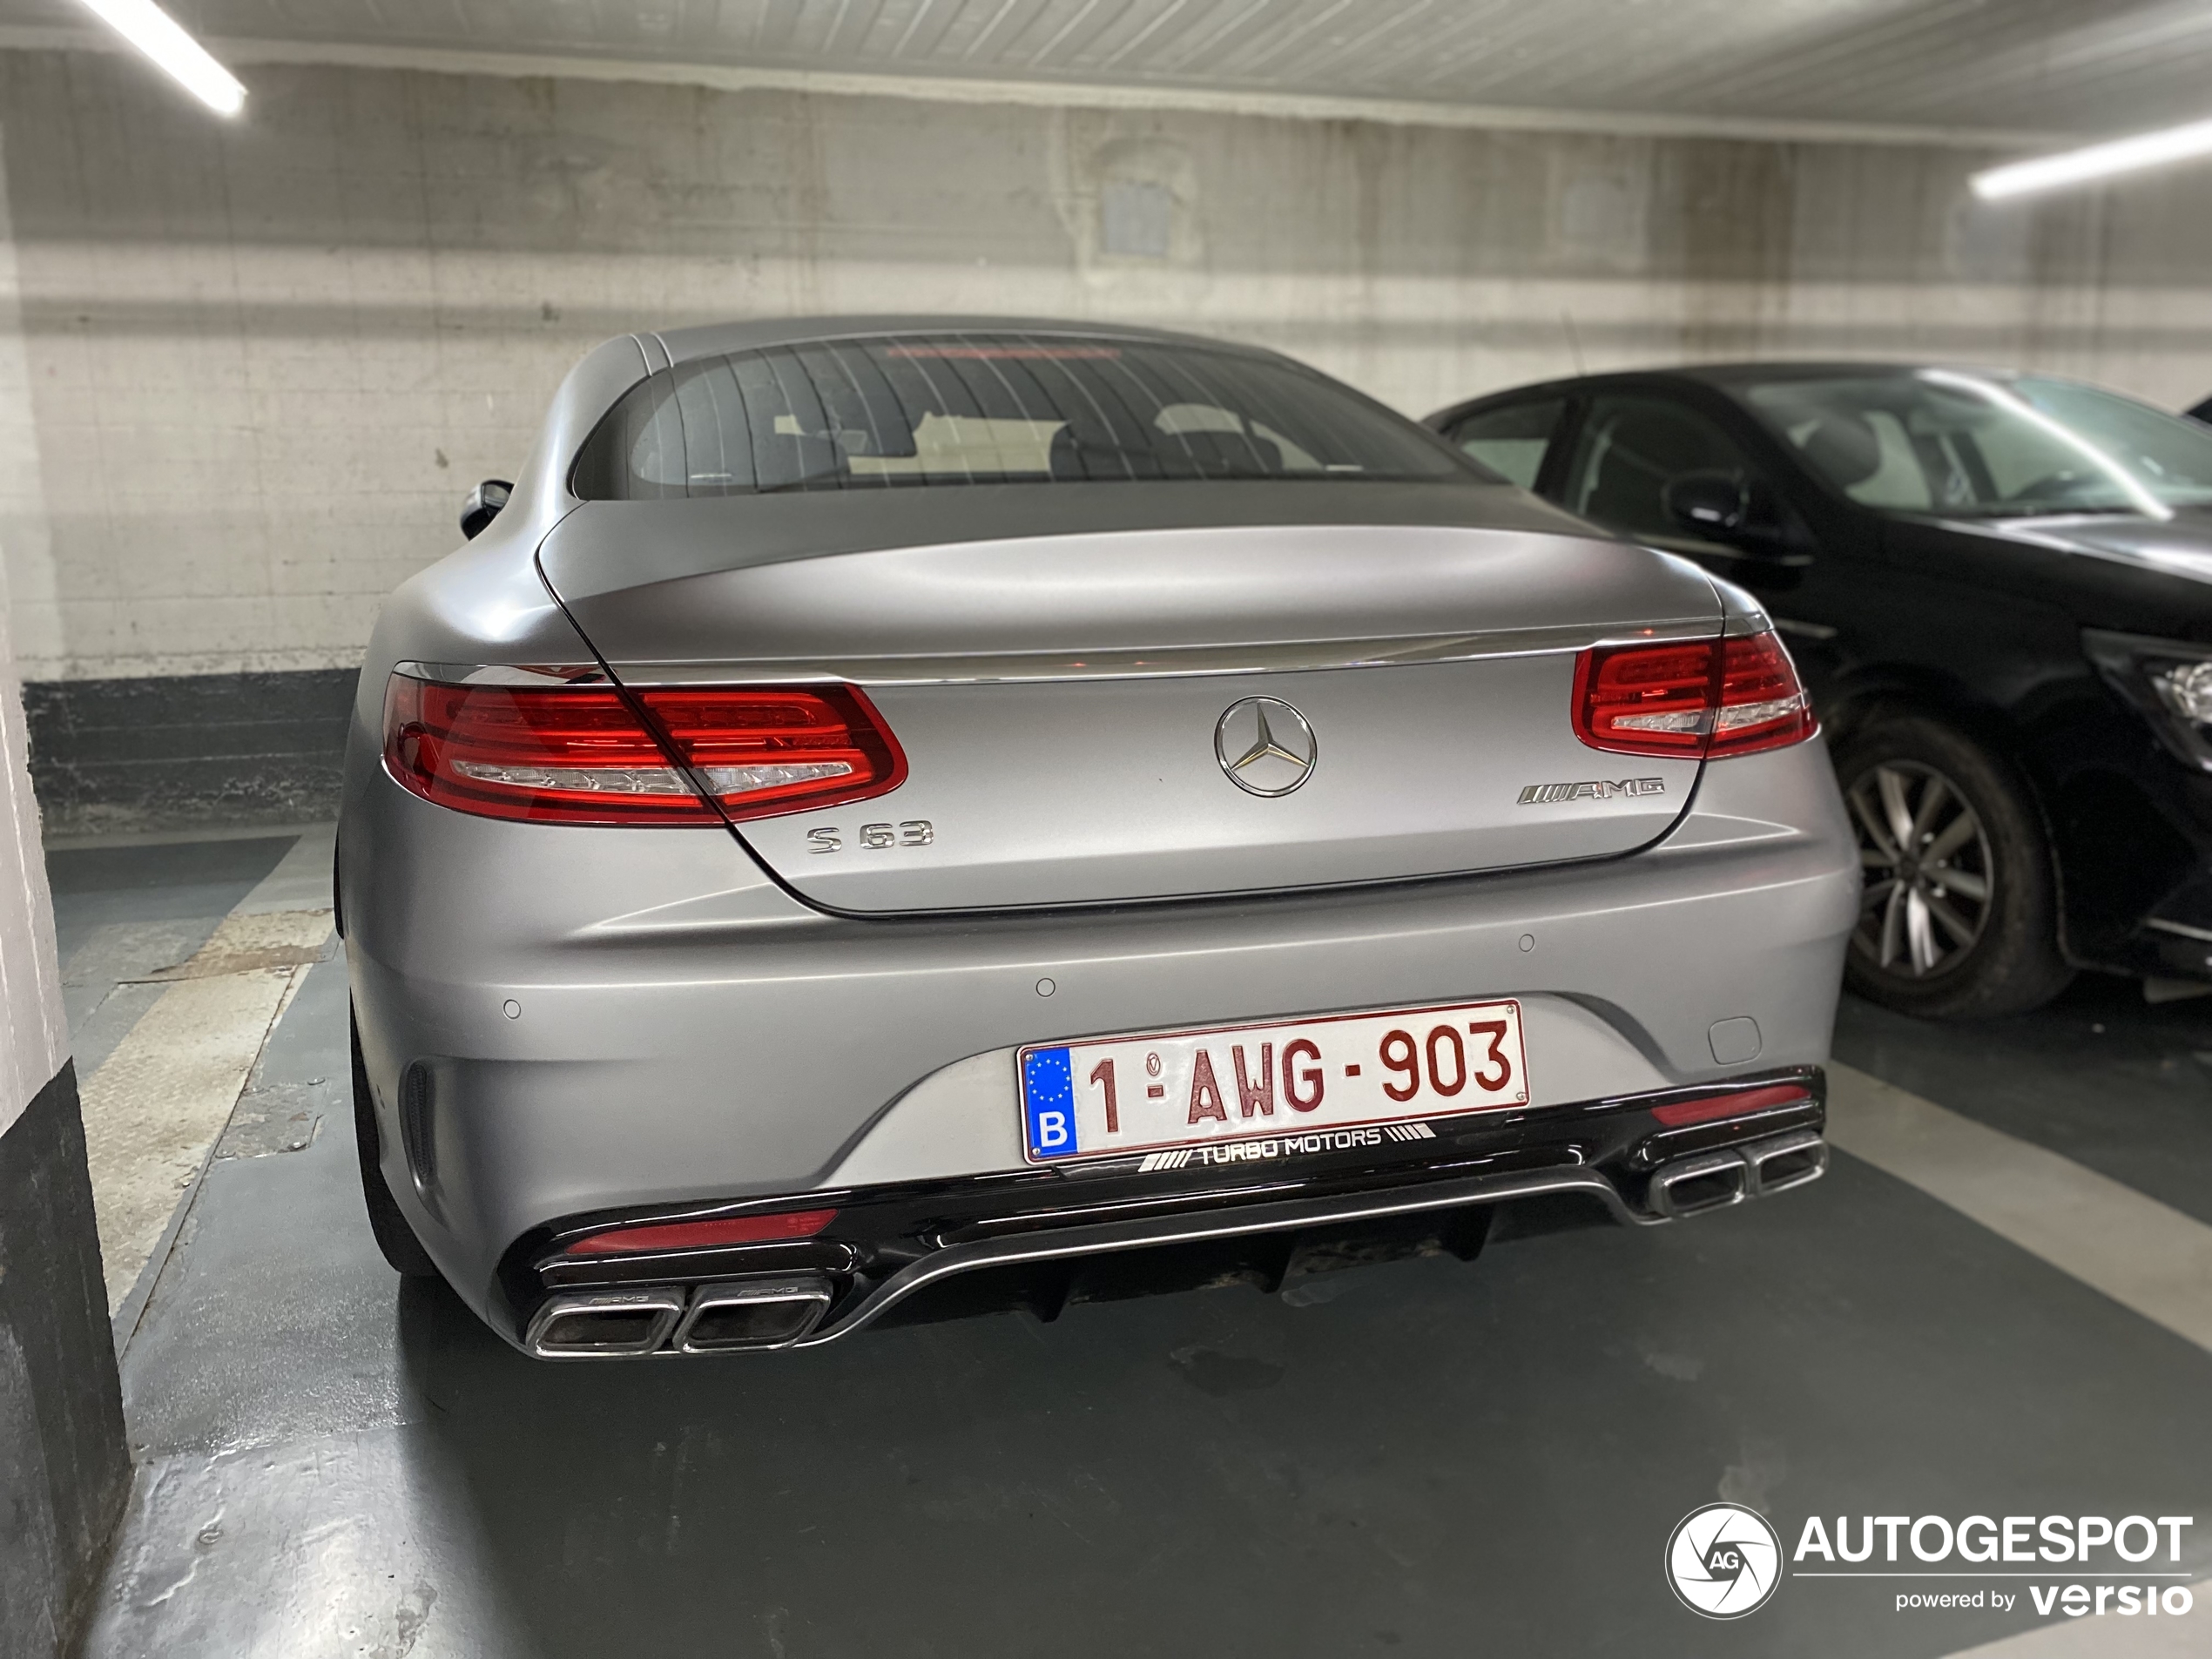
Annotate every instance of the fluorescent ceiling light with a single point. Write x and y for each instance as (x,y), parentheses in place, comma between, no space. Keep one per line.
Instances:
(159,36)
(2096,161)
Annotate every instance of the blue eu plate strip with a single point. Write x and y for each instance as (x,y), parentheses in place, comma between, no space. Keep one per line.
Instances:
(1049,1103)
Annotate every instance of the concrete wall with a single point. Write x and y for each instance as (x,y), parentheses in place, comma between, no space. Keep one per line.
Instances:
(261,361)
(64,1469)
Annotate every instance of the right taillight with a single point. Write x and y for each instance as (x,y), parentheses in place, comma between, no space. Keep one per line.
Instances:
(581,753)
(1761,705)
(1696,699)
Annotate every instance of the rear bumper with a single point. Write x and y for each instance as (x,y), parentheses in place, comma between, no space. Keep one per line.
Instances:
(1040,1240)
(587,1021)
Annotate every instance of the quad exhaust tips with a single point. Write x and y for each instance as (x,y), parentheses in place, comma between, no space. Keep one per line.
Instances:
(727,1317)
(771,1310)
(1714,1180)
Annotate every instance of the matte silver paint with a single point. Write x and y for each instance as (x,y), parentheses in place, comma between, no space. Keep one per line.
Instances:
(707,1016)
(1017,583)
(1080,792)
(1088,792)
(694,1030)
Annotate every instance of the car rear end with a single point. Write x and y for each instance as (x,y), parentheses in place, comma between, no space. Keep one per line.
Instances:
(849,901)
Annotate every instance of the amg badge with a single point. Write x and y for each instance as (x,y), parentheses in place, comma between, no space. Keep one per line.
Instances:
(1596,789)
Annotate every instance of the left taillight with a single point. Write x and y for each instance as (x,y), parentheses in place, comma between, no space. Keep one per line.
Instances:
(583,754)
(1698,699)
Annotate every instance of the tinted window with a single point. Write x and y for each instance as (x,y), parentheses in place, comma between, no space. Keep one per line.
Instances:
(1936,440)
(1511,440)
(1630,449)
(988,408)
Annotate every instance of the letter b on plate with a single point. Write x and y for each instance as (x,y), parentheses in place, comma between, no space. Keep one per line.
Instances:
(1049,1103)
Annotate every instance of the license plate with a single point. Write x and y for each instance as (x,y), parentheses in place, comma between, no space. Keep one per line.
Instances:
(1345,1080)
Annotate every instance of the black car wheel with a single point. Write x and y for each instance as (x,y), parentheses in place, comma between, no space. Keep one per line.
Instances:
(394,1237)
(1958,918)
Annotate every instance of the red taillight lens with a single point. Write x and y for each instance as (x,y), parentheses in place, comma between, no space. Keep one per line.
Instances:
(580,754)
(569,754)
(1763,706)
(1645,699)
(1706,698)
(1709,1107)
(777,749)
(705,1234)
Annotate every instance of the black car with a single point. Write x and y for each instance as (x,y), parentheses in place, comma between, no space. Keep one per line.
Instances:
(1998,588)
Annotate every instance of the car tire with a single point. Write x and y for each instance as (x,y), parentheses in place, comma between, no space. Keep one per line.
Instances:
(394,1236)
(1927,943)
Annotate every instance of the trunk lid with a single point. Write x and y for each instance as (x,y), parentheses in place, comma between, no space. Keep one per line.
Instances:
(1072,704)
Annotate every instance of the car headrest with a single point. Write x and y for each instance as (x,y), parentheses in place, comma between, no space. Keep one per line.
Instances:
(1846,447)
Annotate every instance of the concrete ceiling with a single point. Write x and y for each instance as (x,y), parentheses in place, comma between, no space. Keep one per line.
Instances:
(2086,66)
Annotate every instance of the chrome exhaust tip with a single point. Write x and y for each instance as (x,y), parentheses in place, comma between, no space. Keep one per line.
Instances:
(1786,1161)
(1691,1186)
(1714,1180)
(604,1325)
(737,1315)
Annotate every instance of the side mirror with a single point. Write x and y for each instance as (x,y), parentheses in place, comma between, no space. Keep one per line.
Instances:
(482,506)
(1710,504)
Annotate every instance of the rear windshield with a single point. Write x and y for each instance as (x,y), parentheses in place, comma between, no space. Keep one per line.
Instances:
(875,412)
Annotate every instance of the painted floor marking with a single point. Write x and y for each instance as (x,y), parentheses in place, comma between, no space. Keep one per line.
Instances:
(2144,1255)
(156,1103)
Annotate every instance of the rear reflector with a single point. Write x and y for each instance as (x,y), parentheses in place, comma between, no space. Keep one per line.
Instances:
(1697,699)
(705,1235)
(1742,1102)
(580,754)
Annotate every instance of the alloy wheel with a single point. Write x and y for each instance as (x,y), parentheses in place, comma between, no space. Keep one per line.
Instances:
(1929,877)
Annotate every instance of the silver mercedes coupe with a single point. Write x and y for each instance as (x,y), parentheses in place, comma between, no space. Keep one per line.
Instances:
(893,817)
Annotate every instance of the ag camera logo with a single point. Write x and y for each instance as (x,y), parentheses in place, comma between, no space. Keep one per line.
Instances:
(1724,1561)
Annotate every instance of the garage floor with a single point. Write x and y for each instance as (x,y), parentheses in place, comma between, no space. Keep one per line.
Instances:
(1423,1458)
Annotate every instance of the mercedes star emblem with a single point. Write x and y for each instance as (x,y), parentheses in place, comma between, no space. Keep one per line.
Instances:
(1264,745)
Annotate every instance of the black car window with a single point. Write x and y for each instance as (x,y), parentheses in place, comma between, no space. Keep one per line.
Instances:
(1944,440)
(1511,440)
(1631,447)
(921,410)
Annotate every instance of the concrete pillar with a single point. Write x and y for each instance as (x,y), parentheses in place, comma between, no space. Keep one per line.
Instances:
(65,1468)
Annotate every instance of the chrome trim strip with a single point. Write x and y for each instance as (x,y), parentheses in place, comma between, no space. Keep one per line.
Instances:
(1284,1216)
(2179,929)
(1165,662)
(539,674)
